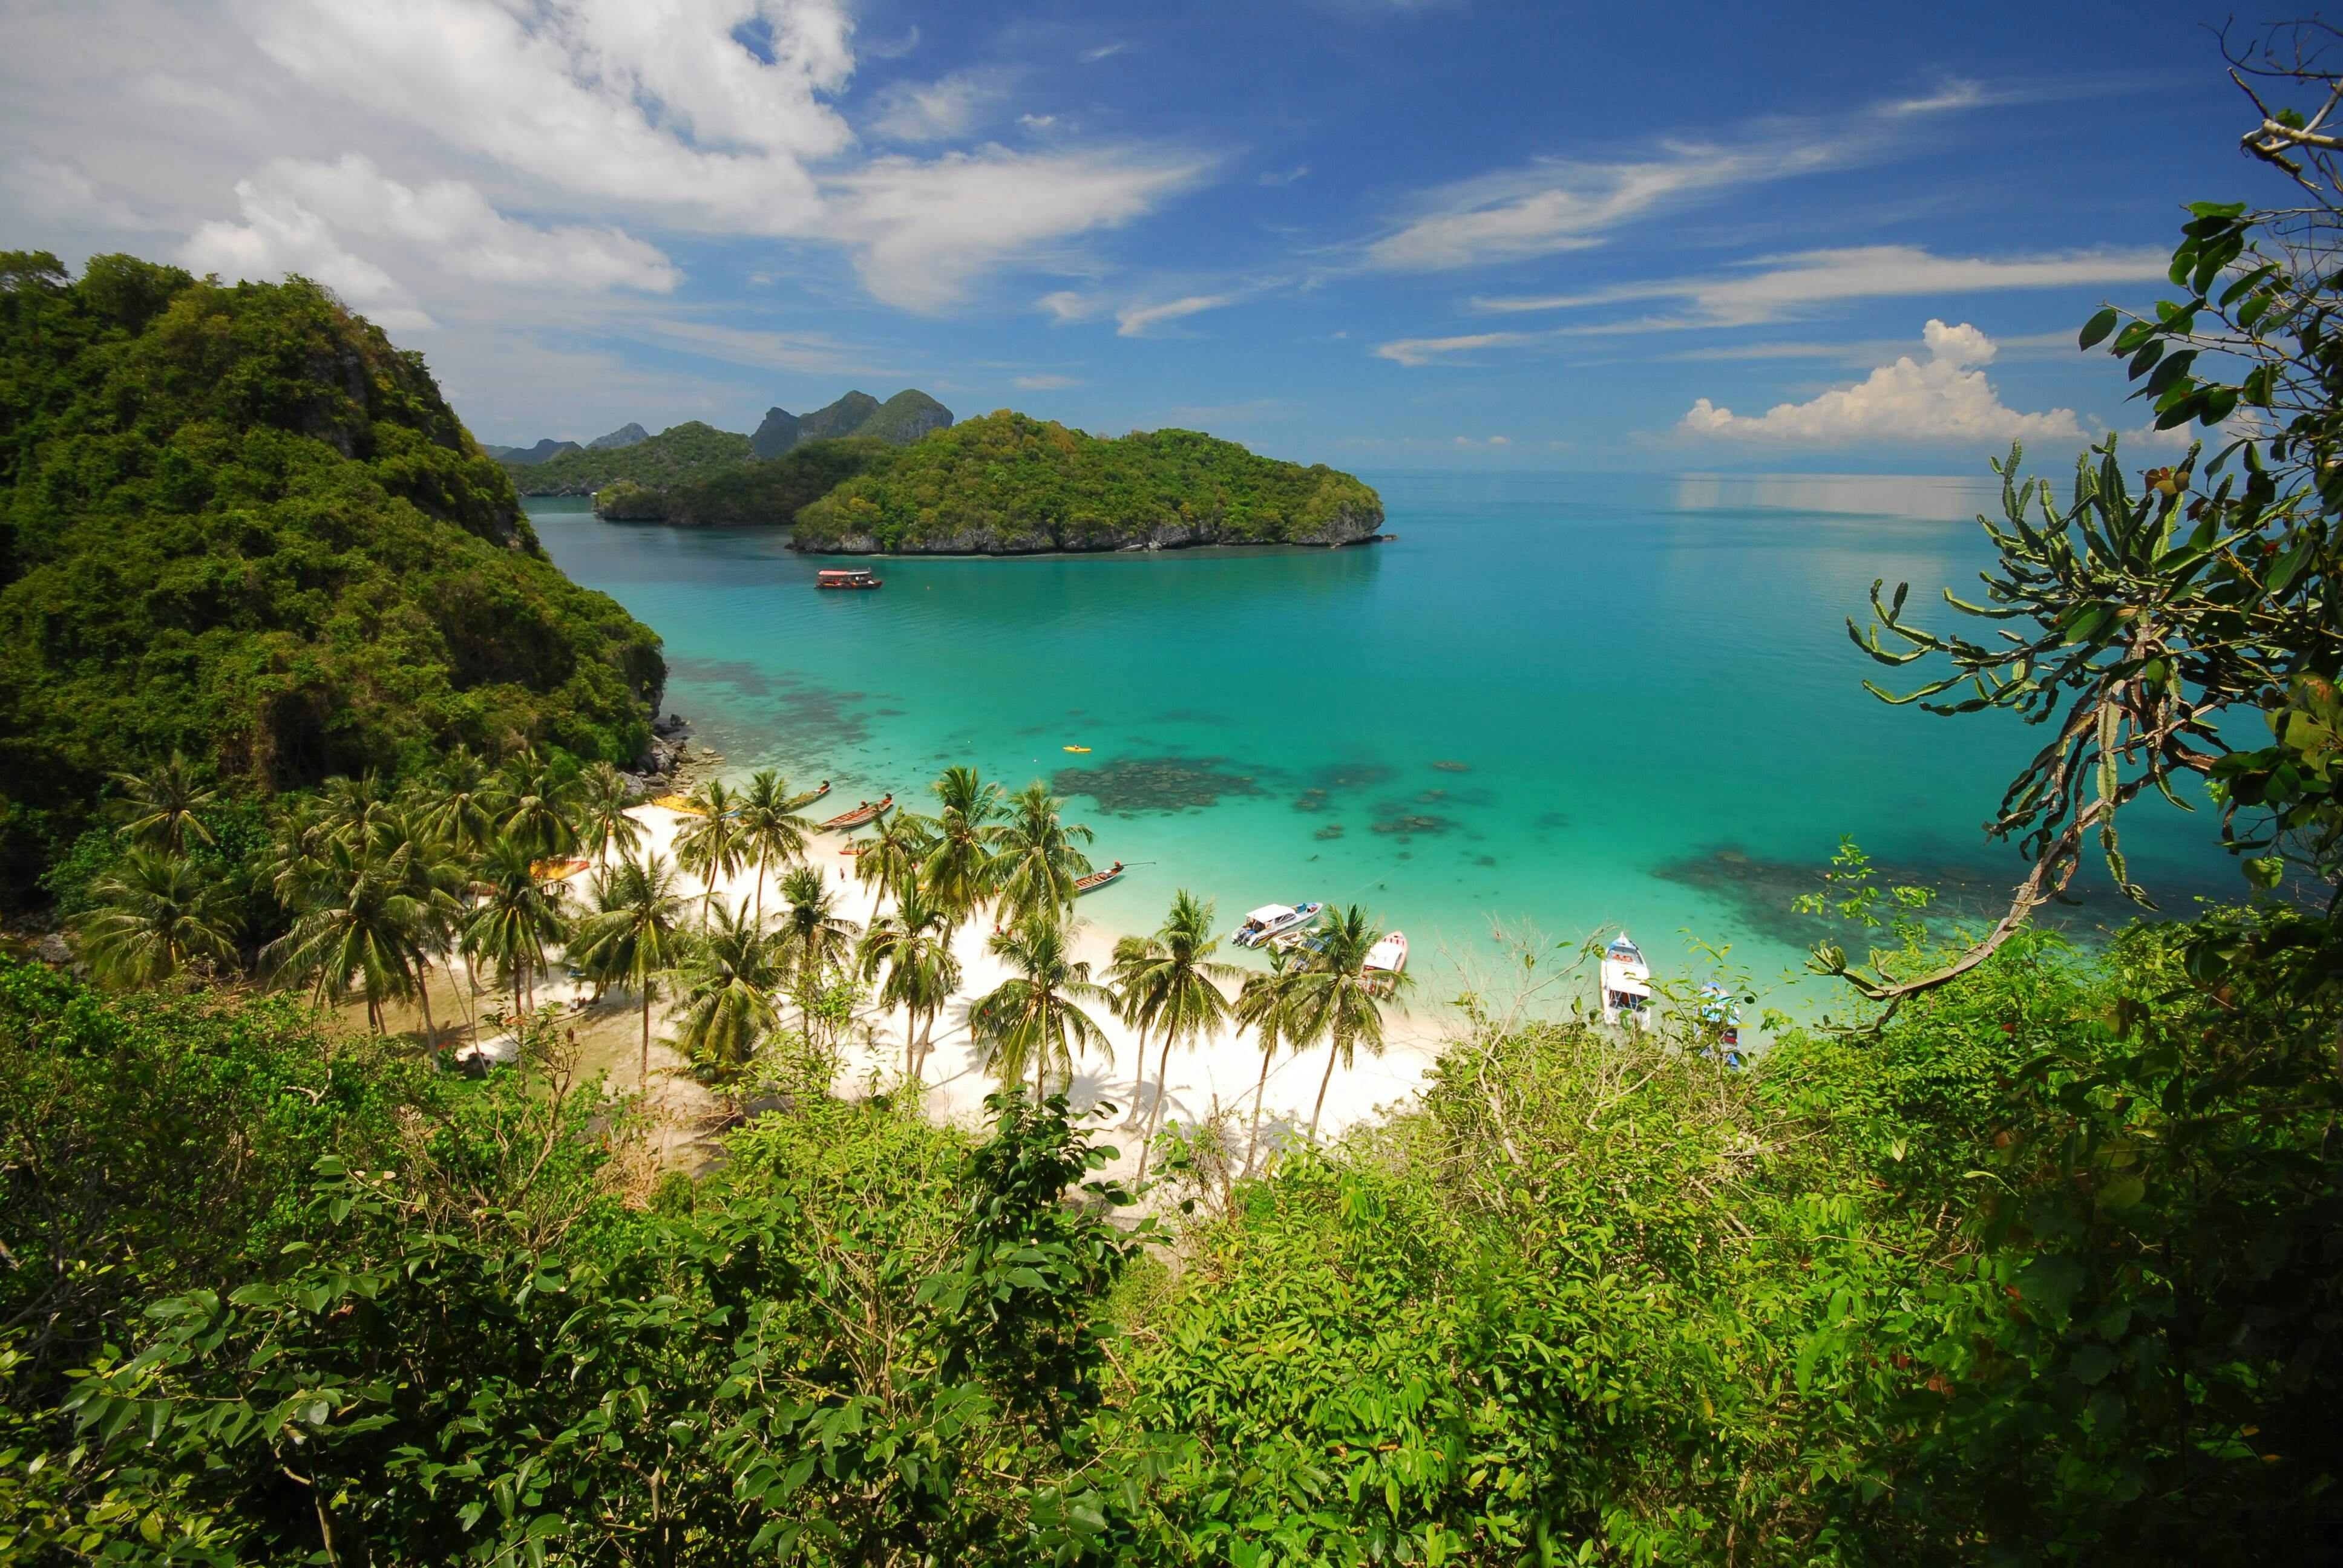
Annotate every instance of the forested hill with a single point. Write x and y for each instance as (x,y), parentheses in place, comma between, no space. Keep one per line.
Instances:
(680,455)
(1009,484)
(236,522)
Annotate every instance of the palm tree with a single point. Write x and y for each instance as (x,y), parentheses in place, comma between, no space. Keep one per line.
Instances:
(958,872)
(436,878)
(913,945)
(711,848)
(814,939)
(775,834)
(1171,988)
(728,977)
(1032,1019)
(156,916)
(305,841)
(633,937)
(1037,864)
(466,802)
(1335,1001)
(603,825)
(516,916)
(364,922)
(538,805)
(891,860)
(356,808)
(159,807)
(1262,1004)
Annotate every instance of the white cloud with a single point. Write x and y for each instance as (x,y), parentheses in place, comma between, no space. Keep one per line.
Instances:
(1065,306)
(279,236)
(1037,122)
(1133,320)
(1284,177)
(658,106)
(1955,94)
(1043,383)
(937,111)
(56,191)
(920,231)
(1093,56)
(1552,204)
(1431,350)
(1944,398)
(1782,287)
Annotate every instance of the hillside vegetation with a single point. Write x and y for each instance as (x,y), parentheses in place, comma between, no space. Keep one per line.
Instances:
(767,492)
(236,523)
(901,420)
(680,455)
(1006,485)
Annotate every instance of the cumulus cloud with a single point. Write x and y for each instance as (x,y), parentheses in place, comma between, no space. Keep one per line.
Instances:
(56,190)
(1945,397)
(1433,350)
(279,236)
(1135,320)
(1774,289)
(921,231)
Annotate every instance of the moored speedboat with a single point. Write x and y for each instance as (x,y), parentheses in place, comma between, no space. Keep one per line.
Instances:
(1626,984)
(1275,919)
(1720,1015)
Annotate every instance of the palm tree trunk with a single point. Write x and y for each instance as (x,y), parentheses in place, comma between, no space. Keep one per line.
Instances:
(760,889)
(423,994)
(1139,1089)
(1333,1052)
(1155,1112)
(643,1074)
(1253,1144)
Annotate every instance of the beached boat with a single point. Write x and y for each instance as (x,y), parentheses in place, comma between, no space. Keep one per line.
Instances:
(861,815)
(1626,984)
(1389,955)
(1097,879)
(809,797)
(1297,941)
(558,870)
(1272,921)
(847,577)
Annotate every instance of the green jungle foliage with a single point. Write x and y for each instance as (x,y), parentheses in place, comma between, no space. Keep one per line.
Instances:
(680,454)
(904,418)
(236,523)
(1005,483)
(771,491)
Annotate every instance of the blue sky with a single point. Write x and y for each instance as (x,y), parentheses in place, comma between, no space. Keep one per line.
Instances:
(1461,233)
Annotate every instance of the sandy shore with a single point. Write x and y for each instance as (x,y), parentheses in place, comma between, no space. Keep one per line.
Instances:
(1217,1077)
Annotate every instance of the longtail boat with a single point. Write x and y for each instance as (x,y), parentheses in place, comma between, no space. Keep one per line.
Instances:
(861,815)
(809,797)
(1097,879)
(558,870)
(680,804)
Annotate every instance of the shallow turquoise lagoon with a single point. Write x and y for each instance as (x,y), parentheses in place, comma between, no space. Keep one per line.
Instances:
(1577,702)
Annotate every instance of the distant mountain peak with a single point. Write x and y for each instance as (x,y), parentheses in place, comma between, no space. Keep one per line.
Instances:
(902,419)
(624,436)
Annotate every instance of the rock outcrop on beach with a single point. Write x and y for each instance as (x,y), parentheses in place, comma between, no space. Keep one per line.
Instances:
(1010,484)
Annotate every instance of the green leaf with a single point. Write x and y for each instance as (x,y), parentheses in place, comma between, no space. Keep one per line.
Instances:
(2095,330)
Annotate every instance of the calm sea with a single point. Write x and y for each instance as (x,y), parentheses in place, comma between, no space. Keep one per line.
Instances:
(1572,701)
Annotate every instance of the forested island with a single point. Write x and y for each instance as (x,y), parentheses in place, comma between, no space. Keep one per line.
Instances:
(769,492)
(1009,484)
(2013,1255)
(694,453)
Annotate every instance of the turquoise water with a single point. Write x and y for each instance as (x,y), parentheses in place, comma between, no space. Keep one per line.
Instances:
(1575,701)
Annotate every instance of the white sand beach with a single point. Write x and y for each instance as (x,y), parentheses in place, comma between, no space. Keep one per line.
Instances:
(1219,1077)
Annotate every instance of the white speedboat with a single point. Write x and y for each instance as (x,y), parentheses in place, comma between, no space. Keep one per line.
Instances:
(1389,955)
(1275,919)
(1626,984)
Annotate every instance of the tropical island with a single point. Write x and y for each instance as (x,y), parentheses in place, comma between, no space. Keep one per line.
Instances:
(694,452)
(324,1242)
(767,492)
(1009,484)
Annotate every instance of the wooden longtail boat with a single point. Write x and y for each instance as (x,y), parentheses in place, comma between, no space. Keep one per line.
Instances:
(1097,879)
(558,870)
(855,819)
(680,804)
(809,797)
(847,577)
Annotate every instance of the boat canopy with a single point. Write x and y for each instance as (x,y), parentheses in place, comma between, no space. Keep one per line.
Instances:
(1267,913)
(1628,985)
(843,572)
